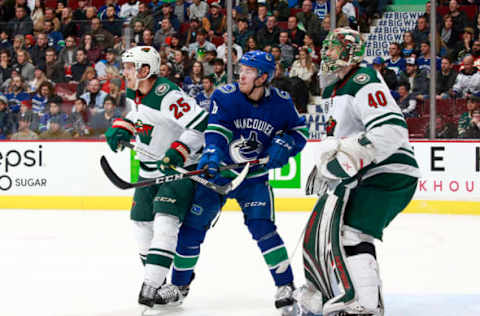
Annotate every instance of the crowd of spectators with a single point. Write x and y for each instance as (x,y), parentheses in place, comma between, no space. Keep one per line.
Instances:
(407,70)
(61,76)
(60,69)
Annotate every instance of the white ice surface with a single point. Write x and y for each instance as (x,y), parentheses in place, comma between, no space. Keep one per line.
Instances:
(85,263)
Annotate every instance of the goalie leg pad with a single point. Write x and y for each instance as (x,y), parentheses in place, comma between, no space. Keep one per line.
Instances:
(344,288)
(363,268)
(143,232)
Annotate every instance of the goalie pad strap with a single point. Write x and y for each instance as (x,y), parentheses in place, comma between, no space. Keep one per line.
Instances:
(363,247)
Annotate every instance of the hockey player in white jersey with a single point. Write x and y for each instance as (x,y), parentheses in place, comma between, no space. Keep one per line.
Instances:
(365,174)
(167,124)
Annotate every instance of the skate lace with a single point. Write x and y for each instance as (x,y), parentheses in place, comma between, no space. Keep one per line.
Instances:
(169,293)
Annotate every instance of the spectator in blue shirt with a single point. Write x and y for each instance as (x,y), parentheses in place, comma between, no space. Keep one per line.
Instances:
(192,84)
(321,8)
(396,62)
(423,61)
(54,113)
(16,93)
(55,39)
(203,98)
(103,9)
(41,97)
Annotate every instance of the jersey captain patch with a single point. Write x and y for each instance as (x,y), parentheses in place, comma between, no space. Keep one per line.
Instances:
(161,89)
(361,78)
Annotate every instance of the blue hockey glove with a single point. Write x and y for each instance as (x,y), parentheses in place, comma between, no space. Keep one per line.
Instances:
(210,160)
(176,155)
(279,151)
(121,130)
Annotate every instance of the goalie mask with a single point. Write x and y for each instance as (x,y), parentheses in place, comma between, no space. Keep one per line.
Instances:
(341,48)
(140,56)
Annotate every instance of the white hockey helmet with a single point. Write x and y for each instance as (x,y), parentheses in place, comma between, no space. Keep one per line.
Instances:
(143,55)
(349,46)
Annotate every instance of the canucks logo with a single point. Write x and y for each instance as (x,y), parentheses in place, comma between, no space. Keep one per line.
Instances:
(144,131)
(330,126)
(242,149)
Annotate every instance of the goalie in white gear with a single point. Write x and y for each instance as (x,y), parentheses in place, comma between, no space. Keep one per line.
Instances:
(167,124)
(365,174)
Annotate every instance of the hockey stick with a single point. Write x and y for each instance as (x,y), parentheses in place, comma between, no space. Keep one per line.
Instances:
(152,156)
(124,185)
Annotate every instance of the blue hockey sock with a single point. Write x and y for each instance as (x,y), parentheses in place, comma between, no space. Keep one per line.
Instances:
(273,250)
(188,251)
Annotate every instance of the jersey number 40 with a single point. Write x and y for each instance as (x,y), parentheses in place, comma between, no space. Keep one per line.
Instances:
(374,100)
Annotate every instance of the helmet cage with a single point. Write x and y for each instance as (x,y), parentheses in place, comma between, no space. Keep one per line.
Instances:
(349,46)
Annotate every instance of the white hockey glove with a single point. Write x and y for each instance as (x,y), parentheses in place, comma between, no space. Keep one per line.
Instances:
(343,158)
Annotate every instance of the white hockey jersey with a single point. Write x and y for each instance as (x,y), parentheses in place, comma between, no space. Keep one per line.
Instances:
(166,114)
(362,102)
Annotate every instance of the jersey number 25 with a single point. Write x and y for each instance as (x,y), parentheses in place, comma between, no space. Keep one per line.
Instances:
(179,108)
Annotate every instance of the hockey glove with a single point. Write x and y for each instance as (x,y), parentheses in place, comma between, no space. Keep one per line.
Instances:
(280,150)
(121,130)
(210,160)
(175,156)
(342,158)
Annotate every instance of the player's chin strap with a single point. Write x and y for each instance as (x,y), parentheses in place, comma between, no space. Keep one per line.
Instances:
(137,81)
(339,279)
(264,85)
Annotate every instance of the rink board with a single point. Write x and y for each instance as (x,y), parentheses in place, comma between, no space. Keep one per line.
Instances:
(67,175)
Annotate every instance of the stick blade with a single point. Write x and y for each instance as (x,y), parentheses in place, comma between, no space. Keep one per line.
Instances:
(237,181)
(112,176)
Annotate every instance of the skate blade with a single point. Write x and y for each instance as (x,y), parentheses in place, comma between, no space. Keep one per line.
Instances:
(160,309)
(297,310)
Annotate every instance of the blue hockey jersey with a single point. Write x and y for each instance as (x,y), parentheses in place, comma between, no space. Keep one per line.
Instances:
(244,130)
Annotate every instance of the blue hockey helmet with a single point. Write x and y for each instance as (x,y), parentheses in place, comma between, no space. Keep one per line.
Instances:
(262,61)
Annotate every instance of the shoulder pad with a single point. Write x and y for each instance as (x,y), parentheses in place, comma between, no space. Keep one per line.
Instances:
(282,94)
(364,76)
(162,89)
(228,88)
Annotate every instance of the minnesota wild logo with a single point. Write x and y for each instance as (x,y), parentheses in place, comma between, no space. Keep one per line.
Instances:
(330,126)
(144,131)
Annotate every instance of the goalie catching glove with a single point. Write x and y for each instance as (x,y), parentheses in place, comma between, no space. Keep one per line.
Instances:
(175,156)
(121,130)
(339,159)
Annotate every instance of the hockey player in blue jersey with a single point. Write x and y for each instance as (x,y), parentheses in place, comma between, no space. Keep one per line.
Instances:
(248,120)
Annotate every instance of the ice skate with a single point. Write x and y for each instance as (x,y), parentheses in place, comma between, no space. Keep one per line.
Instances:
(147,295)
(170,294)
(309,301)
(284,299)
